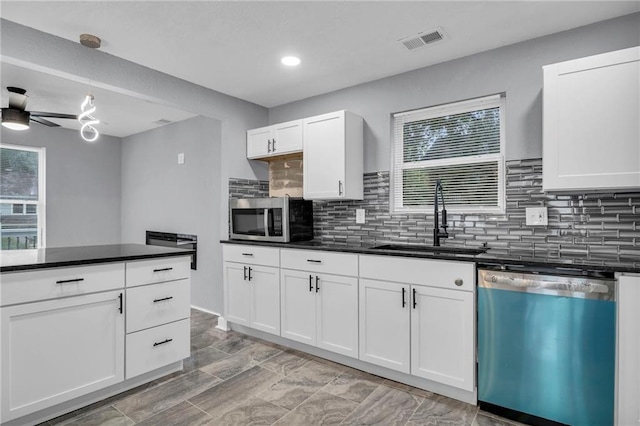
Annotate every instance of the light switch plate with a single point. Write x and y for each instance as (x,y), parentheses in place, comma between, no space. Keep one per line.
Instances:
(181,158)
(537,216)
(359,215)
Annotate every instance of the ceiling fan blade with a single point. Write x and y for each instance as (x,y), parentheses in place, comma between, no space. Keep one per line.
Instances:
(52,115)
(43,121)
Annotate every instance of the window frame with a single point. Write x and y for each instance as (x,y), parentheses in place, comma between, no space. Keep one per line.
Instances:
(41,203)
(397,146)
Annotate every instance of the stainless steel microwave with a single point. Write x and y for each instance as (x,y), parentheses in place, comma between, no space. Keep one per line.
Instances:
(281,219)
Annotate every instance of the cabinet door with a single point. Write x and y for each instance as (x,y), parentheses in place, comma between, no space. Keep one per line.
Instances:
(337,313)
(591,137)
(298,306)
(442,336)
(259,142)
(628,391)
(384,324)
(324,156)
(237,294)
(265,298)
(287,137)
(60,349)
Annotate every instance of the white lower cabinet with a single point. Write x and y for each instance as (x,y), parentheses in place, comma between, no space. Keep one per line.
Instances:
(158,310)
(59,349)
(442,336)
(320,310)
(156,347)
(253,296)
(425,330)
(252,287)
(628,350)
(385,324)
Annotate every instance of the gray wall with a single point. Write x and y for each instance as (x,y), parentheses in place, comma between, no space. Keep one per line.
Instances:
(161,195)
(82,185)
(514,69)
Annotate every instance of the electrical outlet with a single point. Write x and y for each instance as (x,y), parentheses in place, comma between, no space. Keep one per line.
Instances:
(359,215)
(181,158)
(537,216)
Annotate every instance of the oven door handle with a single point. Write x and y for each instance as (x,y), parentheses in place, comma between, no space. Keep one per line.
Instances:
(266,222)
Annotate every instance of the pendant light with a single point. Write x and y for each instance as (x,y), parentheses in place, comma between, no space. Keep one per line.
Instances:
(87,131)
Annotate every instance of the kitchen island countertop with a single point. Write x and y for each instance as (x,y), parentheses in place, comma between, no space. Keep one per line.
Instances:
(559,265)
(56,257)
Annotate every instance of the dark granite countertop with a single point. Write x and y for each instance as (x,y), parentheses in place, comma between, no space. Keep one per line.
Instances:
(56,257)
(489,260)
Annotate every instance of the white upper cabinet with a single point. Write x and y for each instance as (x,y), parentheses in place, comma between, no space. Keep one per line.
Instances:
(270,141)
(591,136)
(333,157)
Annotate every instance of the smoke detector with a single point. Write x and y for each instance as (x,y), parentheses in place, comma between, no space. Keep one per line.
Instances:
(423,39)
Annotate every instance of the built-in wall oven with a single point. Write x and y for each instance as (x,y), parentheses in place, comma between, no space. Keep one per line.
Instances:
(277,219)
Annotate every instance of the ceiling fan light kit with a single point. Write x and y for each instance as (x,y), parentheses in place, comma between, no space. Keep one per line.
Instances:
(15,119)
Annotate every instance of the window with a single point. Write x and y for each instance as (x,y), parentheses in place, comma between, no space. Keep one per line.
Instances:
(21,197)
(462,145)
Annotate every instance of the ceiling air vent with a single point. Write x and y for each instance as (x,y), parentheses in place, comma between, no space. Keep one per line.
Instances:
(422,39)
(162,122)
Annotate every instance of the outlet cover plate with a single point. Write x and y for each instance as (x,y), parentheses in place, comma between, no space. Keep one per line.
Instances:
(359,215)
(537,216)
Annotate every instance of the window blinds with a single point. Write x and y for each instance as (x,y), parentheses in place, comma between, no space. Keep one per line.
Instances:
(461,144)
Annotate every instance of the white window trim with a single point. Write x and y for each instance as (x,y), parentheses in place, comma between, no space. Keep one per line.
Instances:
(498,100)
(42,190)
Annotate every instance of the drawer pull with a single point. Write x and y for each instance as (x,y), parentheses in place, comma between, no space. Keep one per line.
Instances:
(310,282)
(163,342)
(404,302)
(414,299)
(75,280)
(317,286)
(248,254)
(163,299)
(459,282)
(250,269)
(120,297)
(314,261)
(163,269)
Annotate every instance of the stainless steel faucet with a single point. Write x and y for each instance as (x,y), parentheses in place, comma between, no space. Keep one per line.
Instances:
(437,233)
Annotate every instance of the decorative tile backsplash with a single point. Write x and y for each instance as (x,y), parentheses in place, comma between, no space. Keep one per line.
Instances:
(599,227)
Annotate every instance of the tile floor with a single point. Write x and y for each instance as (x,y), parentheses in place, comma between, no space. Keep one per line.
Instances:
(232,379)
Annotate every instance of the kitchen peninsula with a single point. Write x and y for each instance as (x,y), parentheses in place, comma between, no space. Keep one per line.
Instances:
(88,322)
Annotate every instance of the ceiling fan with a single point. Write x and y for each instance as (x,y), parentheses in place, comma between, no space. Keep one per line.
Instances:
(15,116)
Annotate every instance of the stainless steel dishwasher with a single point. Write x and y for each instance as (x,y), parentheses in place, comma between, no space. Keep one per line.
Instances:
(546,347)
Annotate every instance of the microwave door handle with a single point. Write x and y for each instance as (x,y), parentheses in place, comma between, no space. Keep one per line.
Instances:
(266,222)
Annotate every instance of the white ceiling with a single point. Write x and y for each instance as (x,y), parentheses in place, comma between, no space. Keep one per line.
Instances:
(234,47)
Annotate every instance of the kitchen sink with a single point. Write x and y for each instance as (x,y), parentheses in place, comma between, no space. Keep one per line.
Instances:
(432,249)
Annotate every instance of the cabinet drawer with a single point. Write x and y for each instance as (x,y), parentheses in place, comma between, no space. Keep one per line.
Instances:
(320,261)
(434,273)
(31,286)
(156,347)
(156,304)
(255,255)
(158,270)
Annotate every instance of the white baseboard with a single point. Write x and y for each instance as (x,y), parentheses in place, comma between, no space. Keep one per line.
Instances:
(205,310)
(222,323)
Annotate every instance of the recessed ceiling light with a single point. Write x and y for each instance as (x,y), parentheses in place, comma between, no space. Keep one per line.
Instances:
(290,61)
